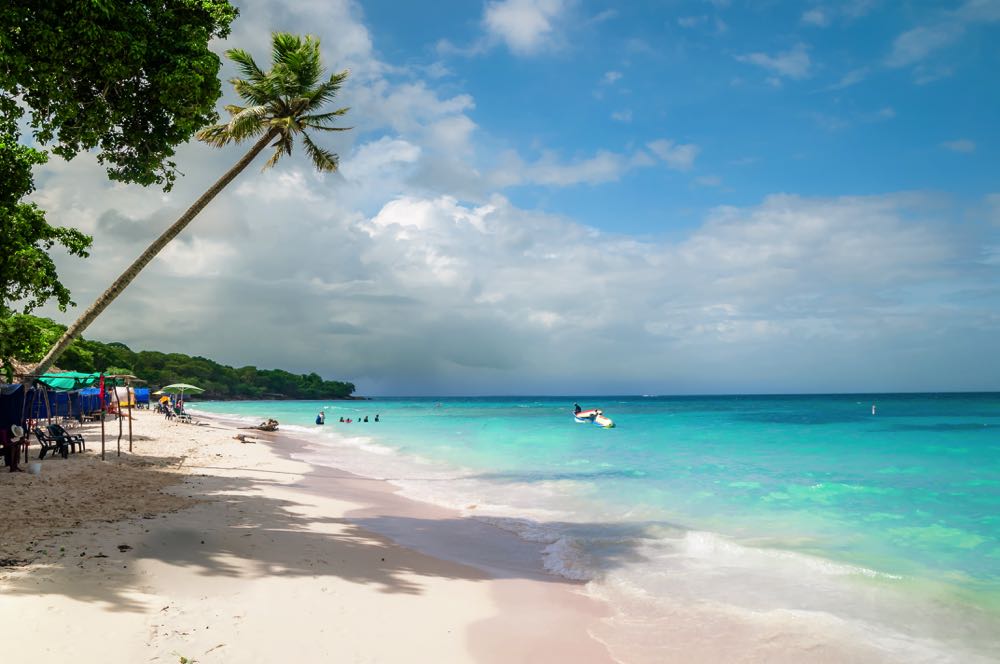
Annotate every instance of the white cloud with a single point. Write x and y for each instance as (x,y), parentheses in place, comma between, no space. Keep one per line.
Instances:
(853,77)
(916,44)
(677,157)
(372,160)
(525,26)
(962,145)
(624,115)
(691,21)
(708,181)
(611,77)
(816,17)
(549,170)
(794,63)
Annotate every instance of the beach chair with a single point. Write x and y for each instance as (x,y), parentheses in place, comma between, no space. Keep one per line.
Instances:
(50,443)
(75,440)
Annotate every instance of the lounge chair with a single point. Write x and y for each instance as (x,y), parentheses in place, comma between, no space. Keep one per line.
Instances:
(75,440)
(57,443)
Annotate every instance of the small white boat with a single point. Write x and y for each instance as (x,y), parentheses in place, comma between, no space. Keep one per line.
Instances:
(594,416)
(603,421)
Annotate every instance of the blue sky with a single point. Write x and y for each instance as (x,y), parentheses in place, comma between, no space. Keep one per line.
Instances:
(820,100)
(559,196)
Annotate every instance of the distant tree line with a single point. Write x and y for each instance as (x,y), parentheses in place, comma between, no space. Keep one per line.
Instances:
(158,369)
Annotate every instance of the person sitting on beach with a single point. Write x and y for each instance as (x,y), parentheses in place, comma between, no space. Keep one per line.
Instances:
(11,443)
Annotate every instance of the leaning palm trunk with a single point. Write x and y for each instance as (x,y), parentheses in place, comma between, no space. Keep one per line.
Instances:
(282,104)
(132,271)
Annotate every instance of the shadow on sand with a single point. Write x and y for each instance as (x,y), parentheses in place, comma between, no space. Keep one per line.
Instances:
(257,536)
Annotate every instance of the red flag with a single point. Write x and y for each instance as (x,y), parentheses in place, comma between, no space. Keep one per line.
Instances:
(103,401)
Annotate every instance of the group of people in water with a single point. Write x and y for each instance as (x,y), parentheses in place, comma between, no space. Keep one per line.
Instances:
(321,418)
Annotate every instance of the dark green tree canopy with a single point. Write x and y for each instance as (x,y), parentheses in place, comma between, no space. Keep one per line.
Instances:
(130,77)
(158,369)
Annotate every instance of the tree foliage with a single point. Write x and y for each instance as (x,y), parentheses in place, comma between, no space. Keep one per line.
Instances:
(159,369)
(129,77)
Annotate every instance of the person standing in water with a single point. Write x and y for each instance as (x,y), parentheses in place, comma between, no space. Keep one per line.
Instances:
(873,409)
(321,418)
(576,408)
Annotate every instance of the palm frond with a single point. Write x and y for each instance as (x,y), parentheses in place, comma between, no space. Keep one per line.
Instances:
(248,122)
(327,91)
(324,160)
(286,100)
(217,135)
(255,93)
(283,145)
(323,121)
(245,62)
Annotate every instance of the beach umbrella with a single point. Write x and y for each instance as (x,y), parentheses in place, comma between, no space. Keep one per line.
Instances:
(181,388)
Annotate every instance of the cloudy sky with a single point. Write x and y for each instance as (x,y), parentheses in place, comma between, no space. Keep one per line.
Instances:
(579,197)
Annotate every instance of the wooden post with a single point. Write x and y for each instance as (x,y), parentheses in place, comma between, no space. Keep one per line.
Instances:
(118,409)
(128,382)
(101,396)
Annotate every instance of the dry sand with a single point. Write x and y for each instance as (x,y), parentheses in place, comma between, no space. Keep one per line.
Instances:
(199,546)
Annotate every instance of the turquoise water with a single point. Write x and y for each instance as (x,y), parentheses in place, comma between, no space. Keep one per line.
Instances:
(892,518)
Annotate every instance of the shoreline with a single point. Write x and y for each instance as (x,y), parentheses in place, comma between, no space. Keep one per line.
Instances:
(265,556)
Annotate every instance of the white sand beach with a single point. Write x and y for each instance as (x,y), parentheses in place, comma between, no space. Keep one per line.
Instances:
(203,547)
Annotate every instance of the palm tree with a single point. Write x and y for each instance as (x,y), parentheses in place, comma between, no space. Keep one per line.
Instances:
(281,104)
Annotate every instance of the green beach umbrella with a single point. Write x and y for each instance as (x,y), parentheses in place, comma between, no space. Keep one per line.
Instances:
(180,388)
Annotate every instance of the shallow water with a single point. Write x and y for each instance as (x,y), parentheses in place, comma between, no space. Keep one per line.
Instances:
(808,510)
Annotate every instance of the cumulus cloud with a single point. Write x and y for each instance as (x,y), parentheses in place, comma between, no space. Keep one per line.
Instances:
(677,157)
(525,26)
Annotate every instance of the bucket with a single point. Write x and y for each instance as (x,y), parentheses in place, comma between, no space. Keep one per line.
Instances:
(35,468)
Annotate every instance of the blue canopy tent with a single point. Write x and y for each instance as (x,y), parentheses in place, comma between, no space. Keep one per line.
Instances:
(52,404)
(90,400)
(141,395)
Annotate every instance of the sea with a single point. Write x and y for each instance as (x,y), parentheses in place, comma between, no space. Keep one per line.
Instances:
(859,526)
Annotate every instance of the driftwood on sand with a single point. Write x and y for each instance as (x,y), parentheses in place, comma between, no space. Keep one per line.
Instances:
(270,425)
